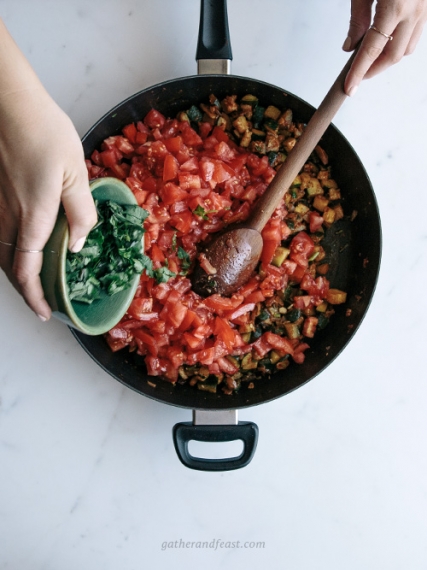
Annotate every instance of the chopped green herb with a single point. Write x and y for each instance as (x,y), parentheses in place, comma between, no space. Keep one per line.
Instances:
(111,256)
(185,259)
(199,211)
(163,274)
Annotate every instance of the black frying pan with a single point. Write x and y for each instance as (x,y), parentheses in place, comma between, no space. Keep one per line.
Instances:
(354,248)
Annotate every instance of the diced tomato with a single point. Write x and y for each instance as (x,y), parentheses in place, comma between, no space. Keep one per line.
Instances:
(171,193)
(219,304)
(190,137)
(255,297)
(301,247)
(140,306)
(222,172)
(221,136)
(268,249)
(191,165)
(182,221)
(241,310)
(154,119)
(315,221)
(176,313)
(278,342)
(130,132)
(157,254)
(170,168)
(224,332)
(227,366)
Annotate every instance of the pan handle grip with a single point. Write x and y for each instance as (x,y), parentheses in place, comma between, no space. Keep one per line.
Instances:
(184,432)
(214,36)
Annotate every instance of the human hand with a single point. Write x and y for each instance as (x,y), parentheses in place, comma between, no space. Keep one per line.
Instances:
(41,165)
(403,20)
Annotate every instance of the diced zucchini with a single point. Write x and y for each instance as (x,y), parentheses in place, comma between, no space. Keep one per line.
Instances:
(272,142)
(336,297)
(209,385)
(329,215)
(322,307)
(229,104)
(329,183)
(323,321)
(282,364)
(285,119)
(245,141)
(232,360)
(289,143)
(292,330)
(339,212)
(280,255)
(275,357)
(224,122)
(258,116)
(271,124)
(334,194)
(211,111)
(241,124)
(310,184)
(293,315)
(246,337)
(249,100)
(272,112)
(301,209)
(182,373)
(258,146)
(248,363)
(320,202)
(258,135)
(297,182)
(322,268)
(183,117)
(194,114)
(247,328)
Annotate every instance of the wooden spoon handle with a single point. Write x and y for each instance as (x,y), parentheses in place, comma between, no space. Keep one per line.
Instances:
(296,159)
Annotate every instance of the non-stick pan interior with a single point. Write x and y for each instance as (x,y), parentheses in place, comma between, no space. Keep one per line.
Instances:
(354,244)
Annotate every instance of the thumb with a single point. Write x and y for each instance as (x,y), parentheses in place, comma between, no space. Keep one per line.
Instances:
(81,213)
(361,14)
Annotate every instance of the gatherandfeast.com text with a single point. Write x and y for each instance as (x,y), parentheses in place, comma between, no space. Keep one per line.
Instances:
(215,544)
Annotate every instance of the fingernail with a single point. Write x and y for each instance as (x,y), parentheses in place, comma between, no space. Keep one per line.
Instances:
(352,90)
(42,318)
(347,44)
(78,245)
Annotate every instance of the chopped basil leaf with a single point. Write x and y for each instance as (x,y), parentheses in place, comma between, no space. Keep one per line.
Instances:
(199,211)
(111,256)
(185,258)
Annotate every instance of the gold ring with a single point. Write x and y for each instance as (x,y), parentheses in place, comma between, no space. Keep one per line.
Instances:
(28,250)
(382,33)
(6,243)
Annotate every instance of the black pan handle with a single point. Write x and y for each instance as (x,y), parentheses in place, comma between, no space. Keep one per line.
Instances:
(214,36)
(184,432)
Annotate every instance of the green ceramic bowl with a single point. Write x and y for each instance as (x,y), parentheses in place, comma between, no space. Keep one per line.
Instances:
(103,314)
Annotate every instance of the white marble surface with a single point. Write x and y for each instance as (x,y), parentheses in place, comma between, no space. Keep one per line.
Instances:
(88,475)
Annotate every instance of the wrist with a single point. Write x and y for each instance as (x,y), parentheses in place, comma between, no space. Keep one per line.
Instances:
(16,72)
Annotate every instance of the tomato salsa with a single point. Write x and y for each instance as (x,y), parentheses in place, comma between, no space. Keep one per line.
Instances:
(195,174)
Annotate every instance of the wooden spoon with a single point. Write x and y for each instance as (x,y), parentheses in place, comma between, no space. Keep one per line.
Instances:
(233,255)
